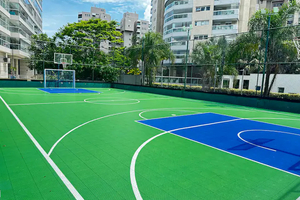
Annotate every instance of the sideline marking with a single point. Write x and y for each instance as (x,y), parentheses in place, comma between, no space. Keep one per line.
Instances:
(67,183)
(134,158)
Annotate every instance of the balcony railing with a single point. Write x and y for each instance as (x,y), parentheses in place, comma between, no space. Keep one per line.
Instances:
(3,23)
(176,3)
(226,12)
(224,27)
(178,43)
(179,16)
(4,43)
(19,47)
(174,30)
(15,29)
(4,4)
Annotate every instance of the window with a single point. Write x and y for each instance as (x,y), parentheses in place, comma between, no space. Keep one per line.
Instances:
(200,37)
(246,85)
(201,9)
(236,84)
(201,23)
(226,83)
(281,90)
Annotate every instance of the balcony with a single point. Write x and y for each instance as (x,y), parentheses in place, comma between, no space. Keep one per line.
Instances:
(179,5)
(226,14)
(19,33)
(226,2)
(177,31)
(224,29)
(20,50)
(4,27)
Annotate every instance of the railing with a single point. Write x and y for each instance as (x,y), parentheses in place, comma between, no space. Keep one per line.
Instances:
(4,4)
(26,19)
(15,29)
(19,47)
(3,23)
(176,3)
(174,30)
(4,43)
(178,43)
(178,80)
(179,16)
(226,12)
(224,27)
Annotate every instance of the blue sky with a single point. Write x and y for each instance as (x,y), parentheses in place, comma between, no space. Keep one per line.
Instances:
(57,13)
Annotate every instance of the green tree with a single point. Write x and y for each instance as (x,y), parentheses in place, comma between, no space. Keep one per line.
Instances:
(280,45)
(152,50)
(82,40)
(207,55)
(43,48)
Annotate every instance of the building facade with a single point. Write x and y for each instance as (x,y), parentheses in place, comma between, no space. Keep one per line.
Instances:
(157,16)
(141,27)
(98,13)
(127,27)
(19,21)
(208,18)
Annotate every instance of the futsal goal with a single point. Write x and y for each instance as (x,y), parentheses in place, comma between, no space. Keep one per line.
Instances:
(59,78)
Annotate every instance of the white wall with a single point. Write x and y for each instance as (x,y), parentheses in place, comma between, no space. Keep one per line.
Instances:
(290,82)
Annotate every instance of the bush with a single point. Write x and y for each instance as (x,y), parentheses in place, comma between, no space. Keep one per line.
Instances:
(248,93)
(109,74)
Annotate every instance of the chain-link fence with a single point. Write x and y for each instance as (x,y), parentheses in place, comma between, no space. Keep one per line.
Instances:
(257,63)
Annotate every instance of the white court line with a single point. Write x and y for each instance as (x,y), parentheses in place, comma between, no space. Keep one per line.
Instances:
(262,130)
(29,104)
(134,158)
(67,183)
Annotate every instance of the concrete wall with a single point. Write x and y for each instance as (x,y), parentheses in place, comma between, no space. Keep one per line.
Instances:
(131,79)
(290,82)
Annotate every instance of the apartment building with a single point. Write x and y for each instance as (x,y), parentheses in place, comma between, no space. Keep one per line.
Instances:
(157,16)
(98,13)
(19,20)
(207,18)
(127,27)
(141,27)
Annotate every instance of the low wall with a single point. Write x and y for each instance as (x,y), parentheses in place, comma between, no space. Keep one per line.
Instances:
(40,84)
(271,104)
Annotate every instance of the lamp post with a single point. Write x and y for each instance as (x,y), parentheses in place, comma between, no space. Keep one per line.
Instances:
(275,10)
(187,51)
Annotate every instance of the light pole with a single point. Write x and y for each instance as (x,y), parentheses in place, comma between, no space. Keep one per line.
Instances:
(187,51)
(275,10)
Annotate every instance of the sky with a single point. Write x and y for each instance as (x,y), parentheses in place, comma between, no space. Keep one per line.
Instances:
(57,13)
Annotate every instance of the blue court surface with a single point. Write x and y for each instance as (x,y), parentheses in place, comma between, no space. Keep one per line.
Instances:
(67,90)
(272,145)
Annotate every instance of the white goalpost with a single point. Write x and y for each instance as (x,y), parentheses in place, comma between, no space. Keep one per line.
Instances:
(59,78)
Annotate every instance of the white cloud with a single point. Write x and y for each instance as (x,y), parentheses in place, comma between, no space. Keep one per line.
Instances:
(122,6)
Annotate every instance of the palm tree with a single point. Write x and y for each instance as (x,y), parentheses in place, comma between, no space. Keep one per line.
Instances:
(151,50)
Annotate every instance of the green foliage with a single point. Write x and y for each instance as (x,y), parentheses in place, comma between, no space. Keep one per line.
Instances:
(152,50)
(109,74)
(250,93)
(82,40)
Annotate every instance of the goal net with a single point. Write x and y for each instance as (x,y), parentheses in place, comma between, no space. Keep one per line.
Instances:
(59,78)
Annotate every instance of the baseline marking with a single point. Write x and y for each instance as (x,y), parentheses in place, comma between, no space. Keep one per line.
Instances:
(67,183)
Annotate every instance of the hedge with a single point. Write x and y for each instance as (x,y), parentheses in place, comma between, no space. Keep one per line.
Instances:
(248,93)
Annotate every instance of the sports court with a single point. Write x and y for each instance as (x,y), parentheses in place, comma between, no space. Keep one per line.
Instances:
(120,144)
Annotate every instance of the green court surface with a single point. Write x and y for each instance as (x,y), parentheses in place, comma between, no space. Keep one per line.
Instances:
(90,146)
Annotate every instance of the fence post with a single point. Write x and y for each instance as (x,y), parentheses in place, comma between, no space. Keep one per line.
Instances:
(266,56)
(215,78)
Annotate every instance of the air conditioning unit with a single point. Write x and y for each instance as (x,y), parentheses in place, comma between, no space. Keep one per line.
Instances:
(6,60)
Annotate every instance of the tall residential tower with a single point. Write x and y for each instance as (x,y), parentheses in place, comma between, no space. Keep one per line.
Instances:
(19,21)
